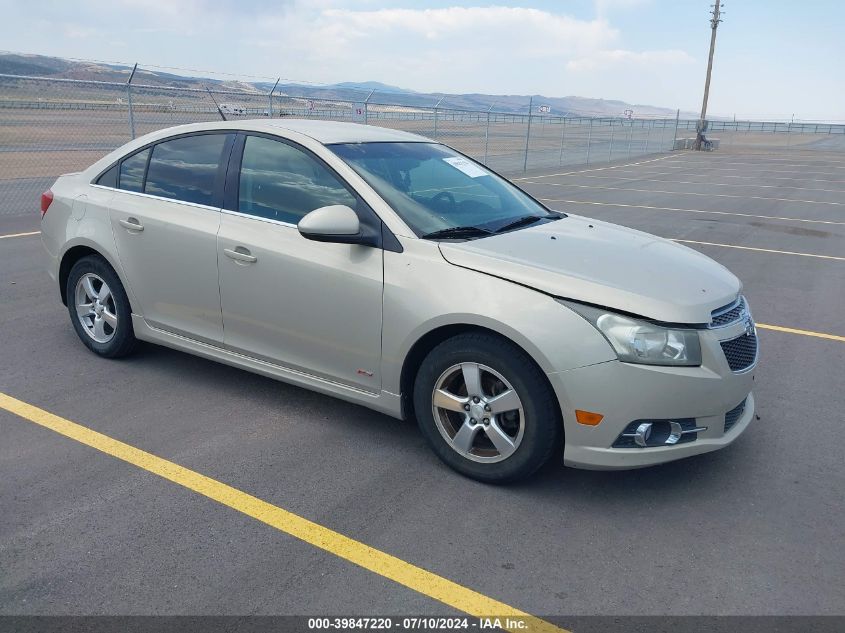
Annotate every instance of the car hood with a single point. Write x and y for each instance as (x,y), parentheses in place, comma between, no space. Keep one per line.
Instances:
(604,264)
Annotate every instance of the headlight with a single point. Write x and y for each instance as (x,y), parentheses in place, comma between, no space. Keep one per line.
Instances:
(637,341)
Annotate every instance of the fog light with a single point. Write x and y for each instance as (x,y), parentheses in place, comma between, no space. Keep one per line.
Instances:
(642,434)
(588,418)
(650,433)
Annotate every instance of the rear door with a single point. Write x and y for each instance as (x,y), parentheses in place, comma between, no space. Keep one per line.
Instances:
(165,216)
(310,306)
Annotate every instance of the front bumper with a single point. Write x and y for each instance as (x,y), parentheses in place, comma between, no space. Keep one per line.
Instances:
(624,392)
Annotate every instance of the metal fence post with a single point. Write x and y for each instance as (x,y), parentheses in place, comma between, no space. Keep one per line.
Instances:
(562,137)
(435,116)
(528,134)
(270,99)
(589,140)
(648,137)
(610,149)
(129,100)
(487,134)
(675,135)
(788,132)
(367,107)
(630,137)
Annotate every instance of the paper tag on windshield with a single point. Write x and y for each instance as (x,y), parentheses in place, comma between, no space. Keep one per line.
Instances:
(470,169)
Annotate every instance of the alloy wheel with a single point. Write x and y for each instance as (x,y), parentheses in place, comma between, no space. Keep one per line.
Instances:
(478,412)
(95,308)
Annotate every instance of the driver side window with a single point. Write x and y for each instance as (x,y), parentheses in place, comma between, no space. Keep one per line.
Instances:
(281,182)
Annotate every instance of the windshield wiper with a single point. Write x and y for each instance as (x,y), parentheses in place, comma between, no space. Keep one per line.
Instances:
(525,220)
(457,232)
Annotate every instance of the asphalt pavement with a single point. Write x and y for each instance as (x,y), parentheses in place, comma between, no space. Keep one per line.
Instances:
(755,529)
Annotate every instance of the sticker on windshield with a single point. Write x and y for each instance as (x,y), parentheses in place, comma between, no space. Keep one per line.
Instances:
(470,169)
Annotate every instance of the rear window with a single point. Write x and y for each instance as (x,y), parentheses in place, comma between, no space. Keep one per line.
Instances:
(132,171)
(186,168)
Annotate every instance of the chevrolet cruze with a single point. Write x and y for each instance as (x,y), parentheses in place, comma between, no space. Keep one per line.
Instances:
(391,271)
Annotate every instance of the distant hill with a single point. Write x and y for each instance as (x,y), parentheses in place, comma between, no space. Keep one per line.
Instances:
(43,66)
(372,85)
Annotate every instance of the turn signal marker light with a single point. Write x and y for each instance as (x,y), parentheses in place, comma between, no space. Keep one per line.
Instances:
(588,418)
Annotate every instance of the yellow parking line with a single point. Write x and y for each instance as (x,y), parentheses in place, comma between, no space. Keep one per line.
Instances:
(645,206)
(792,330)
(395,569)
(3,237)
(762,250)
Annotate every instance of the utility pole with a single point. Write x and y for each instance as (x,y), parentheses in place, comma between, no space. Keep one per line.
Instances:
(702,122)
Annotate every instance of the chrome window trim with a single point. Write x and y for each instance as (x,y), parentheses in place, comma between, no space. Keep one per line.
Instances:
(199,206)
(259,218)
(162,198)
(152,144)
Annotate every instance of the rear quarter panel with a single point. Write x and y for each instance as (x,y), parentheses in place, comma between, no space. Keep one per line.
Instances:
(79,216)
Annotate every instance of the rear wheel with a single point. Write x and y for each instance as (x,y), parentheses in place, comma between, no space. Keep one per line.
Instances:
(99,308)
(486,409)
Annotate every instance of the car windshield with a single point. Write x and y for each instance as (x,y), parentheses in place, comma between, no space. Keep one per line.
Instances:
(440,193)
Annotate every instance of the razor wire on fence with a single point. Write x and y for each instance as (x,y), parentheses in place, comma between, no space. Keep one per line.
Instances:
(50,126)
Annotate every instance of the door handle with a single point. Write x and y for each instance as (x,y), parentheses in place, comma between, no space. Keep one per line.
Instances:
(132,224)
(240,254)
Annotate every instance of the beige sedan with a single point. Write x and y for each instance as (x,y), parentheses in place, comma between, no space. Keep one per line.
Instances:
(389,270)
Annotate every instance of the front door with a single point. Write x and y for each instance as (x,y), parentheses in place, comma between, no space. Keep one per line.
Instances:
(311,306)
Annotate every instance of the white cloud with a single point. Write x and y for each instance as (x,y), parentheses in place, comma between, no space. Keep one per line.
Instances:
(609,58)
(453,49)
(603,7)
(489,49)
(79,31)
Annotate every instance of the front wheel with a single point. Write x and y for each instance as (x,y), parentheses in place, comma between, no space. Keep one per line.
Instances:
(486,409)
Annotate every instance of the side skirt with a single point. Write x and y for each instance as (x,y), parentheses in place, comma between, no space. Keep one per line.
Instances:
(383,402)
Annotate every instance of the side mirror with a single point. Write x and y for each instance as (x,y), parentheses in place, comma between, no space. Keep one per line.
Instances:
(336,223)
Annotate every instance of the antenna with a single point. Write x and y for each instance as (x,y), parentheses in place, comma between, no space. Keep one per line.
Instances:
(219,111)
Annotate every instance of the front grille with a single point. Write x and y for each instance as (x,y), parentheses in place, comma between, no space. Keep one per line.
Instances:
(728,314)
(740,352)
(733,415)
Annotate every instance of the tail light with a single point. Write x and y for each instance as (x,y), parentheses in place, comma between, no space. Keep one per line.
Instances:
(46,200)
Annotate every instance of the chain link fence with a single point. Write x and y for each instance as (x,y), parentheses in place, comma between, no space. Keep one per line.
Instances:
(52,126)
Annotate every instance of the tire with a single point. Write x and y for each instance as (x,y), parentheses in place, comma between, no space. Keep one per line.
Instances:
(525,437)
(105,328)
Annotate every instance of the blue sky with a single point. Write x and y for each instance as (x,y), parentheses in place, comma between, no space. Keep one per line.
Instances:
(773,59)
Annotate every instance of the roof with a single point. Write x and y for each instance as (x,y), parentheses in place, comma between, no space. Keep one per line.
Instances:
(339,132)
(325,132)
